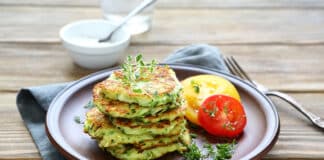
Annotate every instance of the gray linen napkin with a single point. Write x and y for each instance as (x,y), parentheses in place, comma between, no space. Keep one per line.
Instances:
(33,102)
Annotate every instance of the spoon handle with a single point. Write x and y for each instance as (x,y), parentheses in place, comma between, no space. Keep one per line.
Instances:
(134,12)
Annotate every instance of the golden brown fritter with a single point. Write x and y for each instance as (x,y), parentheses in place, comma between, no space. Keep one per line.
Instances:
(118,109)
(157,88)
(99,127)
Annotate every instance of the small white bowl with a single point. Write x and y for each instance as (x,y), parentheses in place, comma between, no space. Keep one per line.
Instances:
(81,39)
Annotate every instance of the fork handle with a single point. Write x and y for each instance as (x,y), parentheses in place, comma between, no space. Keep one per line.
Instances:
(311,116)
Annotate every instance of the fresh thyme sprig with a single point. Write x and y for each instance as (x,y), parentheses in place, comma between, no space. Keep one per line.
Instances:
(193,153)
(220,152)
(210,150)
(127,68)
(135,69)
(152,66)
(225,151)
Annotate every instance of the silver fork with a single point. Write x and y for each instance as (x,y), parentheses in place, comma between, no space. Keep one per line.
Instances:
(237,70)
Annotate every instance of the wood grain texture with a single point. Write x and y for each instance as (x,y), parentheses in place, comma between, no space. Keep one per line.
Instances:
(182,3)
(281,67)
(280,43)
(15,140)
(183,26)
(298,138)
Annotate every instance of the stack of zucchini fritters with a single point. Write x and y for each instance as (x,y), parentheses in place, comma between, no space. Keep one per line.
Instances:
(139,120)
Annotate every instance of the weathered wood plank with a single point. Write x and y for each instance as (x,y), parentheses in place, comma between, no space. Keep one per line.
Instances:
(279,43)
(288,68)
(182,3)
(298,139)
(240,4)
(15,140)
(239,26)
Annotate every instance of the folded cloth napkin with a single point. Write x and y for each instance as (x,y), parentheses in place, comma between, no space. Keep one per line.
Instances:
(33,102)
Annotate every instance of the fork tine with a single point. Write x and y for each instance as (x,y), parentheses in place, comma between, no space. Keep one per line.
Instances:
(229,66)
(239,68)
(235,69)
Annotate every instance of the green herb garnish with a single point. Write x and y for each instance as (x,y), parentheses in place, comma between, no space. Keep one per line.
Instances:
(77,119)
(152,65)
(127,68)
(220,152)
(193,152)
(135,69)
(195,86)
(211,112)
(197,89)
(228,126)
(210,150)
(137,90)
(89,105)
(192,135)
(225,151)
(225,108)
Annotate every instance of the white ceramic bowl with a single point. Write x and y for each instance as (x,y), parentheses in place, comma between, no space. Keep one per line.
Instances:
(81,39)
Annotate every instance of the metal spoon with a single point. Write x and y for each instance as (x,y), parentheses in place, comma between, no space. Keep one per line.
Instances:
(134,12)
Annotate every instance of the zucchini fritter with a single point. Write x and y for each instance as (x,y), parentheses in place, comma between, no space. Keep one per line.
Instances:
(157,88)
(120,109)
(99,127)
(153,153)
(158,128)
(183,138)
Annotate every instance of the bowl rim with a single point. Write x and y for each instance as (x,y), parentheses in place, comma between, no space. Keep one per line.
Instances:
(67,27)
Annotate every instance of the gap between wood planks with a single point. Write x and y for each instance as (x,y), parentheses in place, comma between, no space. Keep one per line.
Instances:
(219,4)
(161,7)
(54,42)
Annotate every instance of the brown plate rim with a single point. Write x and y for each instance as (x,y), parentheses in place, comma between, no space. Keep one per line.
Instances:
(66,151)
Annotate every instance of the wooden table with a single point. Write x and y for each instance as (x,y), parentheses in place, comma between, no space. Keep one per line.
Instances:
(280,43)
